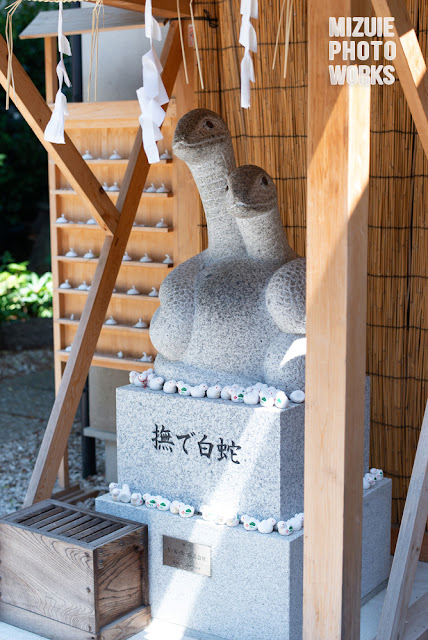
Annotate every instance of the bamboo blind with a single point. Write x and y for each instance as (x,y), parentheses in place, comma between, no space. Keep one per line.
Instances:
(272,134)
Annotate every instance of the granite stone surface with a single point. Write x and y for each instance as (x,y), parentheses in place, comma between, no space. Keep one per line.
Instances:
(256,585)
(244,297)
(376,536)
(264,477)
(203,451)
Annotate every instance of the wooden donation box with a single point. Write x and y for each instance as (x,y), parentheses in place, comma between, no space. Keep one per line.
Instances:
(68,573)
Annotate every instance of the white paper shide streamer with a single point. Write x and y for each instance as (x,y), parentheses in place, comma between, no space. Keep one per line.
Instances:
(248,39)
(54,131)
(152,95)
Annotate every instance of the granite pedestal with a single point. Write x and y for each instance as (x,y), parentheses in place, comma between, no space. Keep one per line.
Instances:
(205,451)
(215,452)
(256,585)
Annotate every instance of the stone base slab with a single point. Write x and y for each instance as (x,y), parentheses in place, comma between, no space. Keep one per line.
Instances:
(256,584)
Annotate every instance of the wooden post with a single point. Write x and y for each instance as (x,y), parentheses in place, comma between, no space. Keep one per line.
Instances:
(187,240)
(51,79)
(337,207)
(84,344)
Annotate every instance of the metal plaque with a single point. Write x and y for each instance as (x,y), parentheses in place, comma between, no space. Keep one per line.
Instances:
(189,556)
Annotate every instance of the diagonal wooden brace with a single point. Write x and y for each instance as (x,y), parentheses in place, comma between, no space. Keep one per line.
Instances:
(36,112)
(93,316)
(395,611)
(409,63)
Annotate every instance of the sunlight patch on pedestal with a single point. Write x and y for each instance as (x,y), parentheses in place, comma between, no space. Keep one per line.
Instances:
(298,348)
(250,439)
(241,485)
(159,630)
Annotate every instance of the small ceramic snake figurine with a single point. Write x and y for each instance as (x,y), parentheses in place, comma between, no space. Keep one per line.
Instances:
(236,311)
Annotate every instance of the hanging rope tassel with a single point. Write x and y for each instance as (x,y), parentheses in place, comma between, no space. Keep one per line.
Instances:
(288,21)
(94,46)
(247,76)
(248,39)
(196,44)
(287,34)
(152,95)
(183,52)
(9,41)
(54,131)
(277,34)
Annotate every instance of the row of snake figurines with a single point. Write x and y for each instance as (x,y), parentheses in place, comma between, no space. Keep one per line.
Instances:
(89,255)
(144,358)
(91,221)
(111,321)
(116,188)
(221,517)
(372,477)
(259,393)
(116,156)
(133,291)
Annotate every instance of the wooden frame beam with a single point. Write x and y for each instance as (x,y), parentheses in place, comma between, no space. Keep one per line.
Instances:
(79,21)
(165,8)
(409,63)
(336,298)
(36,112)
(94,313)
(395,611)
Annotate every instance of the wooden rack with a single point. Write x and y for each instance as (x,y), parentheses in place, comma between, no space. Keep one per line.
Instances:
(99,129)
(102,128)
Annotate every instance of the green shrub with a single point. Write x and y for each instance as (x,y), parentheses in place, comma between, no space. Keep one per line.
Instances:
(24,294)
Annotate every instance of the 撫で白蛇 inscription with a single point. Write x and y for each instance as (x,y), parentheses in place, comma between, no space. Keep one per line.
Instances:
(189,556)
(165,440)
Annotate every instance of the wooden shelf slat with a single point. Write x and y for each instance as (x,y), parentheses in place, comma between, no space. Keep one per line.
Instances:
(93,115)
(115,114)
(152,229)
(127,263)
(102,360)
(155,194)
(114,194)
(83,225)
(117,294)
(105,161)
(106,327)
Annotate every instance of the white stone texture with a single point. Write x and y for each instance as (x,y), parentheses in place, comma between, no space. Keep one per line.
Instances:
(235,312)
(267,482)
(263,478)
(252,199)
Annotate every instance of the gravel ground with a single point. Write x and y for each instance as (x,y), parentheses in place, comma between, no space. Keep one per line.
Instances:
(26,396)
(21,363)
